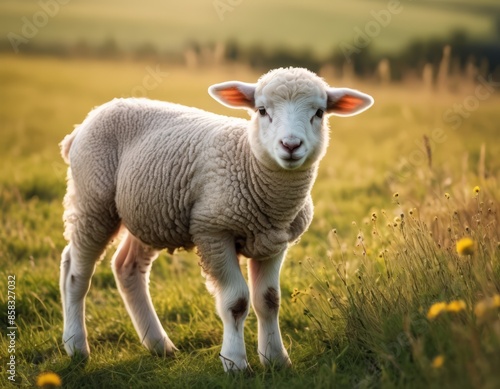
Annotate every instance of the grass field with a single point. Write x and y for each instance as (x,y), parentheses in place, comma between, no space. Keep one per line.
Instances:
(357,290)
(318,25)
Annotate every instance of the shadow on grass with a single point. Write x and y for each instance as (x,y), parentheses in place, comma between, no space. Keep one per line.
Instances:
(181,372)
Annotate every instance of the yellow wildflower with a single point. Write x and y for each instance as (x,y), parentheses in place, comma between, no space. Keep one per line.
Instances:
(465,246)
(437,362)
(48,380)
(436,309)
(496,300)
(456,306)
(476,189)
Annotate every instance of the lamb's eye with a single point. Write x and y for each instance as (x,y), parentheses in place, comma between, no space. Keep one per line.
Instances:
(262,111)
(319,113)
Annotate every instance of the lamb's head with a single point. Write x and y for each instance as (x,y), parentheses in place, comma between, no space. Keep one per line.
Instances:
(289,107)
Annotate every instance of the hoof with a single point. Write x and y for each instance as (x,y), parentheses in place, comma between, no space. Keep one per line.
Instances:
(234,365)
(76,347)
(161,347)
(276,362)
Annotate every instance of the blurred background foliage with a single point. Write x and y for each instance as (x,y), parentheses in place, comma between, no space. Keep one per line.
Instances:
(262,34)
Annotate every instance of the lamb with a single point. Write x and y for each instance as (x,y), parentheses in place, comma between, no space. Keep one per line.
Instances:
(174,177)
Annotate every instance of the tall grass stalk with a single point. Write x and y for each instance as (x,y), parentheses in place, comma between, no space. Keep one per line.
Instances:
(382,288)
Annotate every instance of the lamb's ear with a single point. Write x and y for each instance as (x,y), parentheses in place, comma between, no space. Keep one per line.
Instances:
(234,94)
(347,102)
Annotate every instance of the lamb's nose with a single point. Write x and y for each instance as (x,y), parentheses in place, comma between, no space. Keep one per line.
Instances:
(291,144)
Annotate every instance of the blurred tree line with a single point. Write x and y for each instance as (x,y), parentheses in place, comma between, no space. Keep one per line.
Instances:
(364,63)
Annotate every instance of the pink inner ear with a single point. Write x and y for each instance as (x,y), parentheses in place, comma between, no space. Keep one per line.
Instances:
(233,96)
(346,104)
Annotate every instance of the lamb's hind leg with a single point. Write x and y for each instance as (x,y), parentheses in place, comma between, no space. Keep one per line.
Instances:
(77,267)
(131,266)
(89,226)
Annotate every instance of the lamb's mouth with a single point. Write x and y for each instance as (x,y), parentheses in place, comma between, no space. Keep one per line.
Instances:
(292,162)
(291,157)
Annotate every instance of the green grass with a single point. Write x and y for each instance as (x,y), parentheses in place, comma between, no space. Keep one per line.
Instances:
(355,301)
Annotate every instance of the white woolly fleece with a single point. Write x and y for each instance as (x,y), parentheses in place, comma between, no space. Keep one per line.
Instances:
(178,177)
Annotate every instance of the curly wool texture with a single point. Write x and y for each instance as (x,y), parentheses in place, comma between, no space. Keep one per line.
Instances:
(291,85)
(173,175)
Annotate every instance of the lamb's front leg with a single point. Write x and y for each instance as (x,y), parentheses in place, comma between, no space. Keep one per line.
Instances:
(224,280)
(265,293)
